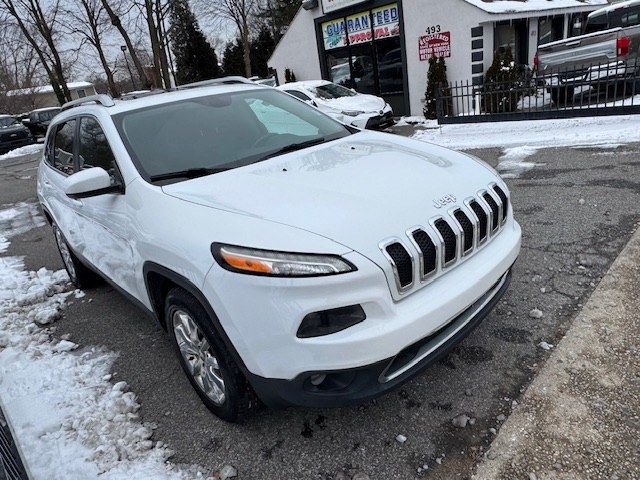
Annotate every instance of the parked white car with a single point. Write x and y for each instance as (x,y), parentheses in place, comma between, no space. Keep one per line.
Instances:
(288,255)
(343,104)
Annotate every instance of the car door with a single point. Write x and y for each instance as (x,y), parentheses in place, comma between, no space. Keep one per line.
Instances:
(59,164)
(103,219)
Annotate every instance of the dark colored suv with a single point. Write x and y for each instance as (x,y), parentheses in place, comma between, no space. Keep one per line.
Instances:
(13,134)
(38,121)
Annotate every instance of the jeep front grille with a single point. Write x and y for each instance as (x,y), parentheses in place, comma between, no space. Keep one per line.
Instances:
(448,238)
(427,249)
(402,264)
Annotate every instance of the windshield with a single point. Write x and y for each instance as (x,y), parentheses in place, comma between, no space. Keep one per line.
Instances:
(8,121)
(47,115)
(331,91)
(221,131)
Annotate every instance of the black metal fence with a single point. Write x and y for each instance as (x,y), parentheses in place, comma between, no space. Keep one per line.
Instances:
(597,89)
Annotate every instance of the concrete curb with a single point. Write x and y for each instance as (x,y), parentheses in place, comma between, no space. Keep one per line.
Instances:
(580,417)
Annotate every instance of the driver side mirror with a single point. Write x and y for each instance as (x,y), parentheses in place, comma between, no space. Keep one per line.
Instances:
(90,183)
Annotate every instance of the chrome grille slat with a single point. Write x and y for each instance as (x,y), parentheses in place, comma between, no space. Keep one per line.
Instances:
(476,215)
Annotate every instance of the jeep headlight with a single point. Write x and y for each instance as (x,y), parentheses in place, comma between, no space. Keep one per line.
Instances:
(253,261)
(352,113)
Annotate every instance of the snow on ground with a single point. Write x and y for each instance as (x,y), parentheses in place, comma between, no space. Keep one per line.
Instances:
(588,131)
(69,420)
(512,164)
(19,218)
(26,150)
(538,100)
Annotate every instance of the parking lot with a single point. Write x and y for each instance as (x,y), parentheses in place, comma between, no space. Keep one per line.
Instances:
(577,208)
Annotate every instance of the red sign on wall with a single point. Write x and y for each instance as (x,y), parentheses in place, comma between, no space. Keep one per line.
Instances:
(434,45)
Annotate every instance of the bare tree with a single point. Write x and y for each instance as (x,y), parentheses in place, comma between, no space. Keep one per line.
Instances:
(38,24)
(116,21)
(240,13)
(88,20)
(19,64)
(153,12)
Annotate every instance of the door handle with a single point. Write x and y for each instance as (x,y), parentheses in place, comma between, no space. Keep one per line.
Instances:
(573,44)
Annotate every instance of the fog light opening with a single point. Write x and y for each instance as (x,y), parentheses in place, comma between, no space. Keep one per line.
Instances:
(317,379)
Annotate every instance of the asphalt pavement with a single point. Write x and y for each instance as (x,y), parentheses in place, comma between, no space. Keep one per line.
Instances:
(577,208)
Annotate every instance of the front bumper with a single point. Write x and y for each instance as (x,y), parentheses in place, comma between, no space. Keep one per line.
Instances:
(261,315)
(7,146)
(372,120)
(354,386)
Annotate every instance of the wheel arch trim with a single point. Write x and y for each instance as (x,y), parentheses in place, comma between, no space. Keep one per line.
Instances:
(150,268)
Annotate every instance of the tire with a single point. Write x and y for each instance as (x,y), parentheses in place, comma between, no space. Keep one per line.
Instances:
(562,95)
(221,385)
(80,276)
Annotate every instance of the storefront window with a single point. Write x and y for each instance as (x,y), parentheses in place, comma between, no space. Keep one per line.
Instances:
(550,29)
(513,35)
(339,69)
(334,34)
(363,52)
(390,71)
(576,23)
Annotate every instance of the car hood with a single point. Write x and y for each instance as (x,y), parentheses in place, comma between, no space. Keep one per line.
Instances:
(13,128)
(356,191)
(364,103)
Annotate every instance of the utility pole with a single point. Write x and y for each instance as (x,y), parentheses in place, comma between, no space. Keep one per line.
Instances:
(126,60)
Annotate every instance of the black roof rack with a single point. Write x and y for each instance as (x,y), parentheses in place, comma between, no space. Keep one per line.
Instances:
(104,100)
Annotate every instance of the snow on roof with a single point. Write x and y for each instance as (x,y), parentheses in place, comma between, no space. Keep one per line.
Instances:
(616,6)
(304,83)
(512,6)
(47,88)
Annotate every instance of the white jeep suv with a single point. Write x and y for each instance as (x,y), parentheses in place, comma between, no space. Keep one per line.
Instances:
(288,256)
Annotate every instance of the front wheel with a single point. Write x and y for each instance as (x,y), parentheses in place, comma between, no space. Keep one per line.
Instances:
(79,275)
(205,359)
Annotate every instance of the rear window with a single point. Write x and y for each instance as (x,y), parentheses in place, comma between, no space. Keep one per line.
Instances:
(597,23)
(220,131)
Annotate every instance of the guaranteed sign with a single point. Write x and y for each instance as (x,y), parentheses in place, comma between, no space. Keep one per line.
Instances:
(434,45)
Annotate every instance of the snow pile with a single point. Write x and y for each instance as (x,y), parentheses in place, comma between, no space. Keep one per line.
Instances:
(18,152)
(512,163)
(512,6)
(18,219)
(70,422)
(417,120)
(538,100)
(586,131)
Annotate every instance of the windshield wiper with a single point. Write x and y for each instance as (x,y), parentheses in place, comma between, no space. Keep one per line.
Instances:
(295,146)
(188,173)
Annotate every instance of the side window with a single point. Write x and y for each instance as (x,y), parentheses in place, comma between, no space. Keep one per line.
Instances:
(94,149)
(631,17)
(62,151)
(299,95)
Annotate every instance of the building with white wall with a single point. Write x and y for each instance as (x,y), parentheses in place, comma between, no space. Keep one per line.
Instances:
(44,96)
(383,46)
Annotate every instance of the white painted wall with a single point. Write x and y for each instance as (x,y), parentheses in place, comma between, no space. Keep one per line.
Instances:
(455,16)
(298,49)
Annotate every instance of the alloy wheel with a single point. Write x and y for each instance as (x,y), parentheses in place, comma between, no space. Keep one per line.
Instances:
(66,254)
(199,357)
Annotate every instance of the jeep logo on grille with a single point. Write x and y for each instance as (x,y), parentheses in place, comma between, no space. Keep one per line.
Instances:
(444,200)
